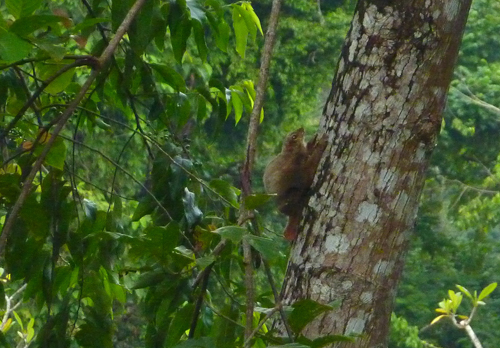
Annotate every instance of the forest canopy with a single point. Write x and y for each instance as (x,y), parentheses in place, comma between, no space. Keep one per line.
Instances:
(136,201)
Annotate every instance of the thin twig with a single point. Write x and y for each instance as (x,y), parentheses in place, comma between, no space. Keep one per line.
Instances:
(106,55)
(8,305)
(261,324)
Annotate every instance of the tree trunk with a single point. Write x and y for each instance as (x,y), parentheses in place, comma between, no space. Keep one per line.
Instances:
(382,117)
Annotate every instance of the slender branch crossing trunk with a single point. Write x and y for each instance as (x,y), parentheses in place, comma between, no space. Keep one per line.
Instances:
(382,117)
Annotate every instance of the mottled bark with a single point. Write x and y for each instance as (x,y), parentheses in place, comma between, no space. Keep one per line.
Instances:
(382,118)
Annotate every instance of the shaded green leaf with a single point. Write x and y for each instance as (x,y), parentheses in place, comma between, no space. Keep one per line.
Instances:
(57,154)
(266,246)
(22,8)
(180,28)
(145,207)
(179,325)
(233,233)
(222,37)
(3,340)
(256,200)
(204,262)
(150,279)
(203,342)
(199,37)
(304,311)
(226,190)
(170,76)
(27,25)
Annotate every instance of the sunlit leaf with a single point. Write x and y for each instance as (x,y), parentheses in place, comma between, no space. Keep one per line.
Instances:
(240,31)
(465,291)
(237,105)
(436,319)
(486,291)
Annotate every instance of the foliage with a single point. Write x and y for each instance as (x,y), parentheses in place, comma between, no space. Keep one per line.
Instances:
(115,244)
(111,244)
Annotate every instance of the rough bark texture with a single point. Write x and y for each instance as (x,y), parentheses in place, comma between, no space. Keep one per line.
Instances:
(382,119)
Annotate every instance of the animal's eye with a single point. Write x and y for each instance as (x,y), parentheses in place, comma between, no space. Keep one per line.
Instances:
(294,136)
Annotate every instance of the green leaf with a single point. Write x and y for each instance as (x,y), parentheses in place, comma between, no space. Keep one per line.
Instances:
(27,25)
(61,82)
(18,319)
(266,246)
(89,22)
(251,28)
(199,38)
(237,105)
(304,311)
(148,279)
(240,31)
(465,291)
(233,233)
(247,6)
(180,28)
(204,262)
(57,53)
(195,9)
(12,47)
(22,8)
(226,190)
(30,330)
(2,295)
(119,10)
(203,342)
(256,200)
(225,331)
(201,113)
(222,37)
(179,325)
(486,291)
(141,30)
(90,209)
(57,154)
(438,318)
(3,340)
(170,76)
(146,206)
